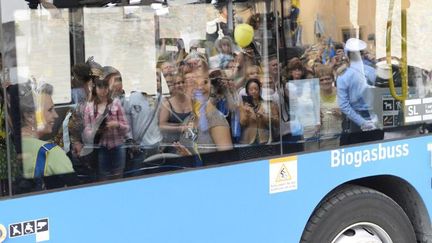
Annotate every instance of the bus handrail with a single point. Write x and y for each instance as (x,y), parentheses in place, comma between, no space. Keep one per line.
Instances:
(403,60)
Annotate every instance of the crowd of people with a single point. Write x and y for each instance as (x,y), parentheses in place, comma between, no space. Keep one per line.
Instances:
(224,98)
(217,103)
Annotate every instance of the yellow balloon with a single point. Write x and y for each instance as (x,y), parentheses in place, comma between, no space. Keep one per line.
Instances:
(243,35)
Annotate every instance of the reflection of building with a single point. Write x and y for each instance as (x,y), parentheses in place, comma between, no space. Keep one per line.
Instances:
(334,15)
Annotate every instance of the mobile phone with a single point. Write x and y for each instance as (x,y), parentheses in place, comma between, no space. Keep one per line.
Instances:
(248,99)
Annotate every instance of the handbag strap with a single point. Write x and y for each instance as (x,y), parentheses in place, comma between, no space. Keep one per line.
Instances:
(41,159)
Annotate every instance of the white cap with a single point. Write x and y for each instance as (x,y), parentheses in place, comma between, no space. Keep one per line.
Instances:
(354,44)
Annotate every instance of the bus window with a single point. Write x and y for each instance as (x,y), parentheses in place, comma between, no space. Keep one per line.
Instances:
(335,78)
(124,38)
(44,35)
(290,114)
(149,90)
(222,102)
(319,107)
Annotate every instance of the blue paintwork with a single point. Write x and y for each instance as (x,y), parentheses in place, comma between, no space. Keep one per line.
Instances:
(224,204)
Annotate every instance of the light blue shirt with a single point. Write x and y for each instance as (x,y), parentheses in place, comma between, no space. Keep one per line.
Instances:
(144,124)
(353,91)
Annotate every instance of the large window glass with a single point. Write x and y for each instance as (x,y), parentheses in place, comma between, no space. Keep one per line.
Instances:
(98,93)
(109,93)
(336,82)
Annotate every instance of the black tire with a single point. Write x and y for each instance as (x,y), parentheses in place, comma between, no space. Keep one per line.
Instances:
(356,204)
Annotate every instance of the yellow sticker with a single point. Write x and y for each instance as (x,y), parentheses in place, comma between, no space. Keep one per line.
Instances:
(283,174)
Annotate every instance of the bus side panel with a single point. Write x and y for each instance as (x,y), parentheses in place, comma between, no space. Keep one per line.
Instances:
(223,204)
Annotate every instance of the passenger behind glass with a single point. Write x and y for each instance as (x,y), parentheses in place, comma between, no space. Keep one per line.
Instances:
(252,72)
(235,71)
(73,125)
(331,116)
(273,67)
(218,28)
(40,158)
(115,82)
(197,62)
(340,60)
(355,96)
(257,116)
(80,77)
(270,80)
(173,113)
(224,97)
(225,53)
(269,91)
(223,94)
(168,70)
(295,70)
(250,55)
(144,135)
(106,127)
(209,130)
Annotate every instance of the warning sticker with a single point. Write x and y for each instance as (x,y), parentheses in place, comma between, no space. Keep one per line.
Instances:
(283,174)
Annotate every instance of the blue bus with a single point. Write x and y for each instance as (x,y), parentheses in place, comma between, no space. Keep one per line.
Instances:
(222,121)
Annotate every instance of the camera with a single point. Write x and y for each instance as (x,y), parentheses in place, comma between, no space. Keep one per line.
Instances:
(191,134)
(216,82)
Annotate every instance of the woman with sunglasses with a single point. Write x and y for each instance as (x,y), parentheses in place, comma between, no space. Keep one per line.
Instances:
(106,126)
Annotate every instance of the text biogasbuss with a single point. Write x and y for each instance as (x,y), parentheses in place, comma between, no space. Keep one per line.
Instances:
(340,157)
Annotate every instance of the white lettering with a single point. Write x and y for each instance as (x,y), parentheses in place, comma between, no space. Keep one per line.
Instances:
(398,151)
(382,152)
(357,158)
(335,161)
(374,154)
(412,111)
(405,149)
(349,158)
(366,156)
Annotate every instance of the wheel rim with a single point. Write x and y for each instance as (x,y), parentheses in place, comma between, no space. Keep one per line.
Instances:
(363,232)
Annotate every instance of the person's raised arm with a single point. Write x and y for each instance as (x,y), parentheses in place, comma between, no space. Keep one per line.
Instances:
(221,137)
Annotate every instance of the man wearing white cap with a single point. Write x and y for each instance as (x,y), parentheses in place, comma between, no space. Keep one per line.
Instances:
(354,97)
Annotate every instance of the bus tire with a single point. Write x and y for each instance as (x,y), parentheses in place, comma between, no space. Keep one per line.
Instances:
(358,213)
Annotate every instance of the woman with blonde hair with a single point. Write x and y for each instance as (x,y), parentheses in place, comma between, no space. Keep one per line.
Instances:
(42,159)
(208,130)
(331,116)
